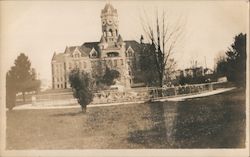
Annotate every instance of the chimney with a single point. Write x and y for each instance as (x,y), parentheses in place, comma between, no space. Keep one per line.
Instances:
(142,39)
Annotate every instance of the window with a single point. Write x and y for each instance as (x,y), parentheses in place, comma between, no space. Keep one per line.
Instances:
(75,64)
(94,54)
(113,54)
(110,63)
(121,61)
(76,55)
(110,32)
(80,65)
(98,63)
(58,86)
(130,53)
(129,63)
(129,72)
(115,63)
(70,66)
(85,65)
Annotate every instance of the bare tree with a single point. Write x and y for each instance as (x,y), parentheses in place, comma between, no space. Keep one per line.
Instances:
(164,36)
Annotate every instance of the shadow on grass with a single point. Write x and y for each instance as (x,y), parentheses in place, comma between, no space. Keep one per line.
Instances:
(212,122)
(217,121)
(156,135)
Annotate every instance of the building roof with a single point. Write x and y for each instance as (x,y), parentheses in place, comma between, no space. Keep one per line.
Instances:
(58,57)
(71,49)
(103,40)
(109,6)
(88,46)
(119,40)
(137,47)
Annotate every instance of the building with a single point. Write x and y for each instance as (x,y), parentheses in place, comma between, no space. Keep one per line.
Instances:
(93,57)
(197,72)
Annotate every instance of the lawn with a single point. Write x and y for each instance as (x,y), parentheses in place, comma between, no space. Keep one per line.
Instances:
(211,122)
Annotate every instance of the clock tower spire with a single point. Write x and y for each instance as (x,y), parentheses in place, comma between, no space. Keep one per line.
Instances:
(109,19)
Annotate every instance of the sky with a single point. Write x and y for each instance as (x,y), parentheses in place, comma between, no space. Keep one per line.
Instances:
(40,28)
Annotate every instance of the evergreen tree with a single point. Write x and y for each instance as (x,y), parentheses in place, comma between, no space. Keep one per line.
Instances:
(82,85)
(234,64)
(21,78)
(236,60)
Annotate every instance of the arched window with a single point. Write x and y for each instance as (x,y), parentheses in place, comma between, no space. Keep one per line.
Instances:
(130,53)
(94,54)
(110,32)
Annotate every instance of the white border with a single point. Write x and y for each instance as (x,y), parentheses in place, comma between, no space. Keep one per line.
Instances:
(122,152)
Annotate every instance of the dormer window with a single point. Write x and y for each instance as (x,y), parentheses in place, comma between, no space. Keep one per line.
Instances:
(77,55)
(130,52)
(93,53)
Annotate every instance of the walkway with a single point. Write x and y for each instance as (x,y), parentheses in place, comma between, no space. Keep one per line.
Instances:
(179,98)
(182,98)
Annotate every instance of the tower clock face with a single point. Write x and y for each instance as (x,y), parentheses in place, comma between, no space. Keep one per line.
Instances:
(110,22)
(103,22)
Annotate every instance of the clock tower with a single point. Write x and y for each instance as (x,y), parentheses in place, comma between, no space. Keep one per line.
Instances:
(109,21)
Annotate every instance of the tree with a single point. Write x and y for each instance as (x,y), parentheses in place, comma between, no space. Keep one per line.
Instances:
(221,67)
(82,85)
(163,36)
(236,60)
(10,91)
(148,65)
(20,78)
(109,76)
(234,64)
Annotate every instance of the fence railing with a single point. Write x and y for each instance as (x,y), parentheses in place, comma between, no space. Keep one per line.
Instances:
(131,95)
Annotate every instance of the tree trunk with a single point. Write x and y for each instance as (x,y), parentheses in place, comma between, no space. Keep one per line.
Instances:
(23,96)
(84,108)
(160,85)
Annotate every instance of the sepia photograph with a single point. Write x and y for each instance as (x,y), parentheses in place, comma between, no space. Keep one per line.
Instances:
(124,78)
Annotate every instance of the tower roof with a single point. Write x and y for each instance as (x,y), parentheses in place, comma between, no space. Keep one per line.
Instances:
(108,7)
(119,40)
(103,40)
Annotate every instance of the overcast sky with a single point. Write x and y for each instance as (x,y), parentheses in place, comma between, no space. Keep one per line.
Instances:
(40,28)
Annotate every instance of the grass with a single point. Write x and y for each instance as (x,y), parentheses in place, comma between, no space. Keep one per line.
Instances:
(210,122)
